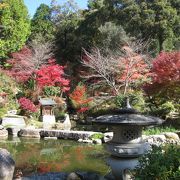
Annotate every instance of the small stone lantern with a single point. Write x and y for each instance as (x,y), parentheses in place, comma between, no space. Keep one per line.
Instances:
(126,145)
(46,107)
(47,113)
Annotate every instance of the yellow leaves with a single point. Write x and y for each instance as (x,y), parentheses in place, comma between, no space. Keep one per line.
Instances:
(3,5)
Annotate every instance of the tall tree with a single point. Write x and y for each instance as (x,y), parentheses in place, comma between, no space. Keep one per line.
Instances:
(15,25)
(157,20)
(41,24)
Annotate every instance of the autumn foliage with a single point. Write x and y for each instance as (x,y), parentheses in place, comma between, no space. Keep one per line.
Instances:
(52,75)
(19,67)
(166,67)
(165,84)
(27,105)
(79,98)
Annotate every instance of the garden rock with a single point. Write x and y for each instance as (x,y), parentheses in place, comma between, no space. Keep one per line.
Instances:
(171,135)
(97,141)
(73,176)
(29,133)
(108,136)
(1,127)
(3,134)
(7,165)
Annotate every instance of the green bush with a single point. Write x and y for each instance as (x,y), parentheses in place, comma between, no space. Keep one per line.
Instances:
(162,163)
(97,136)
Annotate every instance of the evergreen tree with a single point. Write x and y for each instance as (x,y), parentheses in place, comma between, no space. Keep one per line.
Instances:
(156,20)
(15,26)
(41,24)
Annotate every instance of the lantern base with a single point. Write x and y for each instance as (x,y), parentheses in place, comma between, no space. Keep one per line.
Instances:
(121,166)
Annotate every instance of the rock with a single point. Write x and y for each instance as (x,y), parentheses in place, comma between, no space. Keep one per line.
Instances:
(29,133)
(73,176)
(108,136)
(7,165)
(87,141)
(97,141)
(67,122)
(171,135)
(80,140)
(3,134)
(47,138)
(1,127)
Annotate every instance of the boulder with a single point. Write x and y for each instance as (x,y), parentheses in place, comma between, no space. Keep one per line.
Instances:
(7,165)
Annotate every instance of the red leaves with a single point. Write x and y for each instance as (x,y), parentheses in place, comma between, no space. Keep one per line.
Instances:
(165,74)
(27,104)
(20,68)
(166,67)
(52,75)
(79,98)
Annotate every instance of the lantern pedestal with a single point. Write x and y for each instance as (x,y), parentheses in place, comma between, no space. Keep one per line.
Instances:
(120,166)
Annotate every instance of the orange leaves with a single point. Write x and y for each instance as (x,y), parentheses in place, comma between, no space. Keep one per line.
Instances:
(79,98)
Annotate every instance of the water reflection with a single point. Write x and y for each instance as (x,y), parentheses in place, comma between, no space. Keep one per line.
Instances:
(35,155)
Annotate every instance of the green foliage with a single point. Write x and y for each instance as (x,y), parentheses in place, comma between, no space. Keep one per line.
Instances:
(41,24)
(159,130)
(156,20)
(136,100)
(97,136)
(111,36)
(51,91)
(161,163)
(16,26)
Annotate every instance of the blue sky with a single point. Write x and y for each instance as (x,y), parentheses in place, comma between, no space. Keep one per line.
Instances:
(33,4)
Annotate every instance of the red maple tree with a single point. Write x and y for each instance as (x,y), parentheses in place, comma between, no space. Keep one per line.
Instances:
(52,75)
(18,66)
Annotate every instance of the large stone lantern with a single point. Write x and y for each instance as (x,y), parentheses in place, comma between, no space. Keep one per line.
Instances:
(127,144)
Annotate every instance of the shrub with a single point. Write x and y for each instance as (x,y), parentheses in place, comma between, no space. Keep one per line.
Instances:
(27,105)
(160,163)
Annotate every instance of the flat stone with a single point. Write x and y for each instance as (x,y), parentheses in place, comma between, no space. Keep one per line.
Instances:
(30,133)
(7,165)
(66,134)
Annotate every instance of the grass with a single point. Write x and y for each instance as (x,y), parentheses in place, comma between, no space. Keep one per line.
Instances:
(159,130)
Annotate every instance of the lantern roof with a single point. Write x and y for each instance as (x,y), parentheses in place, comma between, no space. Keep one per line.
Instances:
(47,101)
(127,116)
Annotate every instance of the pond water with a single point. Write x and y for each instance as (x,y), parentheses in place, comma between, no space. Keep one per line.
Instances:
(39,156)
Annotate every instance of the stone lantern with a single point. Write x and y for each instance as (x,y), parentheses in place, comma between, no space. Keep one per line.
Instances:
(127,144)
(47,113)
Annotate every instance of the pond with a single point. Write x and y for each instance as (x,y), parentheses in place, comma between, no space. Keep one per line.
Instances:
(39,156)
